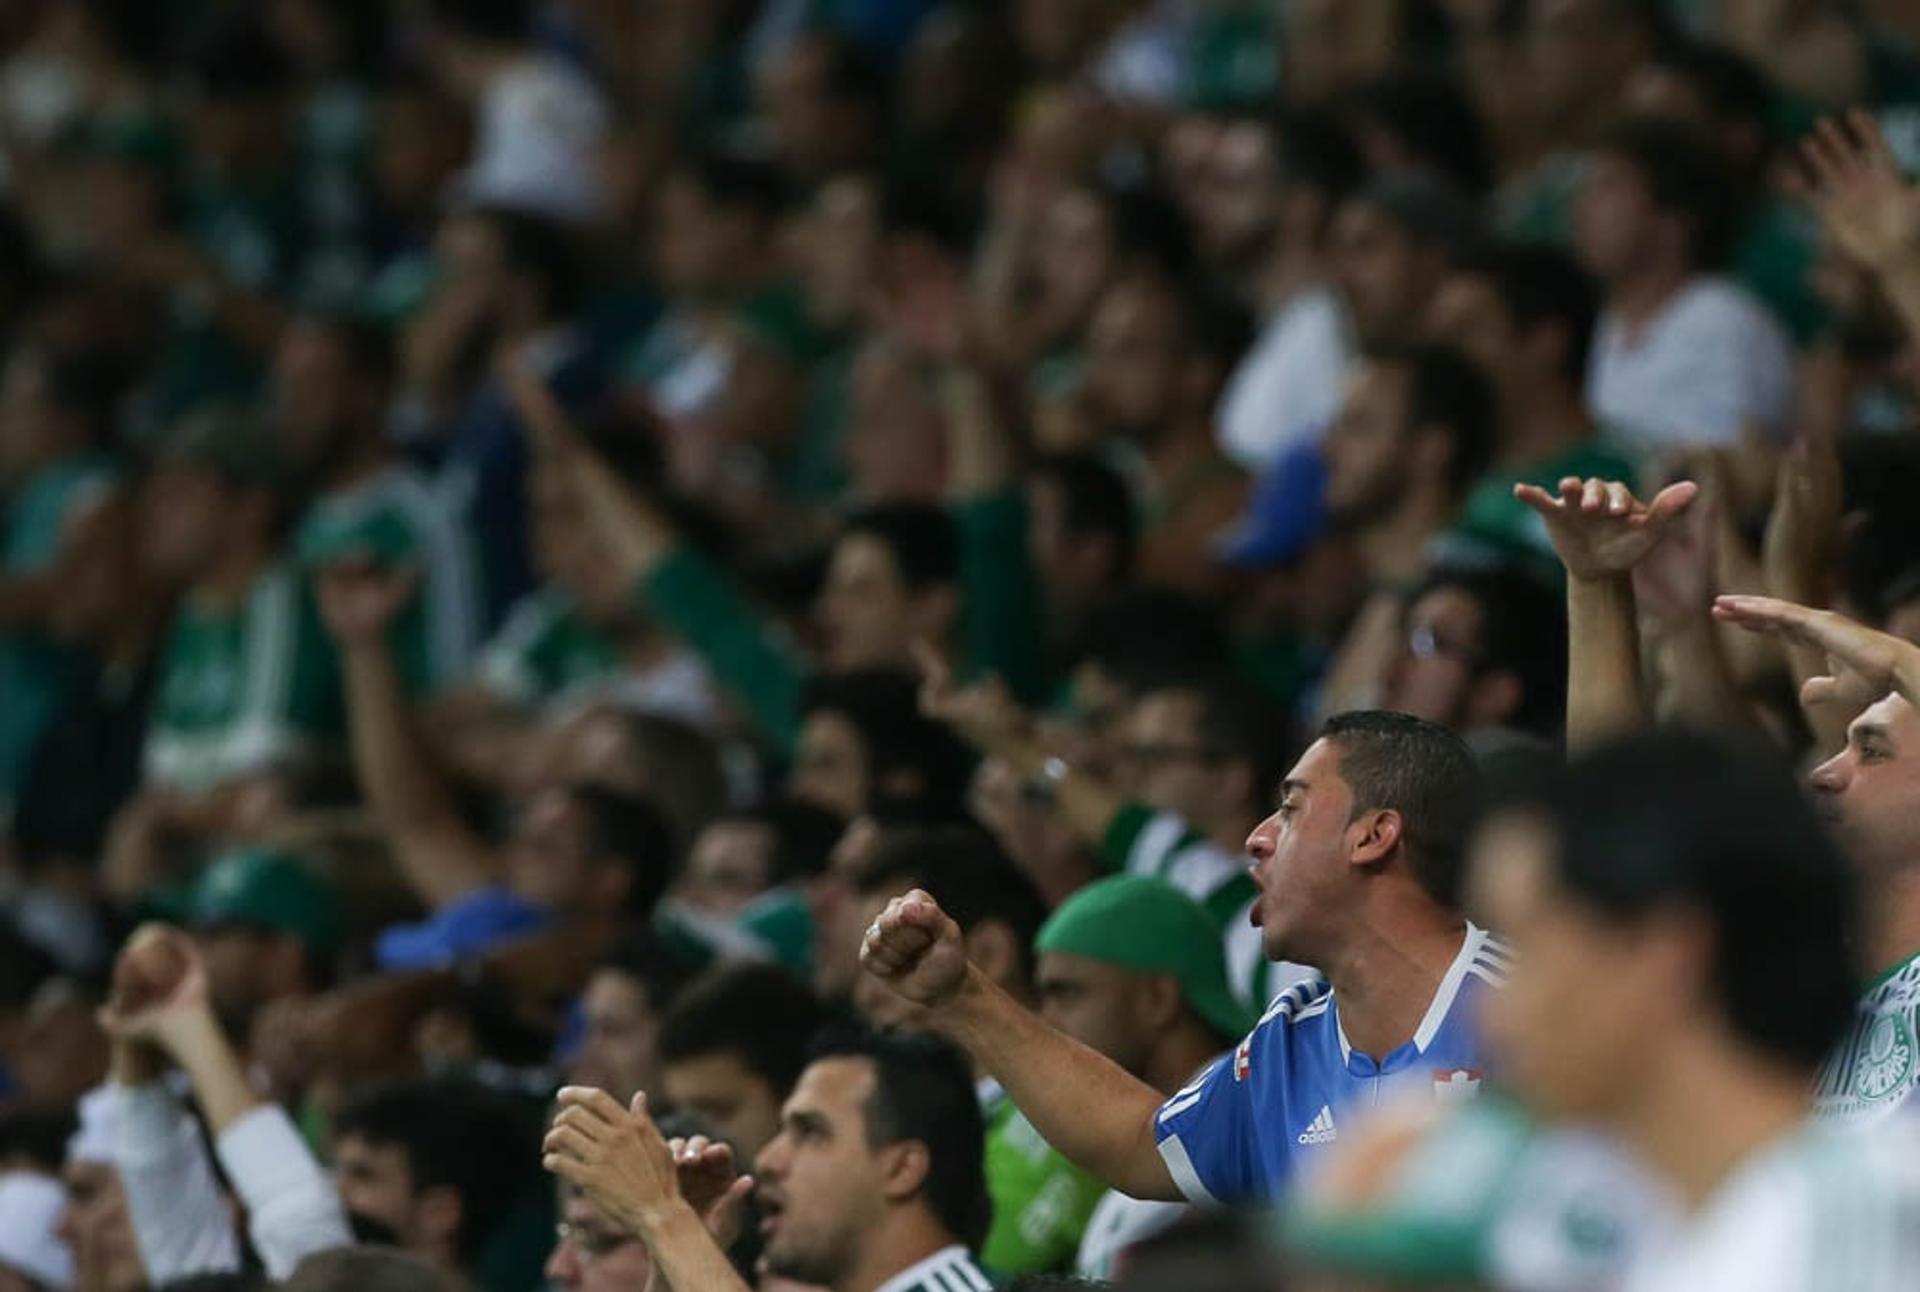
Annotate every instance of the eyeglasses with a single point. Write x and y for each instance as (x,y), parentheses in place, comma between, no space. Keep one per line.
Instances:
(589,1242)
(1424,643)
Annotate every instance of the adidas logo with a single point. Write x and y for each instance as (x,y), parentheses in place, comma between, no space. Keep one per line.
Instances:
(1320,1130)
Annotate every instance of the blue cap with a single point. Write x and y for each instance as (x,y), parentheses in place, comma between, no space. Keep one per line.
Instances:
(1285,513)
(464,927)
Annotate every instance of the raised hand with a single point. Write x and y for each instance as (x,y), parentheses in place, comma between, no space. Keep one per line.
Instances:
(710,1184)
(615,1155)
(1864,664)
(159,988)
(916,949)
(360,599)
(1674,581)
(1856,188)
(1803,528)
(985,715)
(1598,528)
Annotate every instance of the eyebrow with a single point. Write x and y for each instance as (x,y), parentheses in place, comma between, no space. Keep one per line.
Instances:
(1865,731)
(806,1120)
(1292,784)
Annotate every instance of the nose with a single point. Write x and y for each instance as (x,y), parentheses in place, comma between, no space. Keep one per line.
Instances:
(1830,777)
(1260,844)
(563,1267)
(771,1162)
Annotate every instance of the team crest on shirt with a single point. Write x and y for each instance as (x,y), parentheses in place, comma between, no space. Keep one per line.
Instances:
(1243,1060)
(1886,1060)
(1455,1085)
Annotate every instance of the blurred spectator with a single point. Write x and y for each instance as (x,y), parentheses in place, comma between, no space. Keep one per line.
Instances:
(95,1225)
(32,1259)
(622,1009)
(366,1269)
(537,120)
(1525,316)
(1131,968)
(434,1167)
(267,928)
(864,748)
(246,677)
(1394,241)
(1681,356)
(732,1047)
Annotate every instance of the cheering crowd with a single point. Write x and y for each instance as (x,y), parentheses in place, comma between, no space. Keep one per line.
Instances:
(927,645)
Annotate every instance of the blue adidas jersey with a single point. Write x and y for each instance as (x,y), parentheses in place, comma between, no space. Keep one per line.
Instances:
(1242,1129)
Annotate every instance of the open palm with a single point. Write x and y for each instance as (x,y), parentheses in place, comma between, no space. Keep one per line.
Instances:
(1598,528)
(1858,193)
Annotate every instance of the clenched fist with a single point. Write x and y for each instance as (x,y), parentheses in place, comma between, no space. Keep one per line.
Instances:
(916,949)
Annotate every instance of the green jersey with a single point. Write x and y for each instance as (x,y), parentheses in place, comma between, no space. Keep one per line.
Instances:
(397,518)
(1876,1068)
(241,690)
(1161,845)
(949,1270)
(545,650)
(1041,1201)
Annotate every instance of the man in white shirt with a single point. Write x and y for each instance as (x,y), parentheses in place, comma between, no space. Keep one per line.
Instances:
(1686,928)
(1681,356)
(539,122)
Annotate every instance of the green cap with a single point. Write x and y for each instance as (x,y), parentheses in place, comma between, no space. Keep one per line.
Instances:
(270,890)
(228,439)
(1150,926)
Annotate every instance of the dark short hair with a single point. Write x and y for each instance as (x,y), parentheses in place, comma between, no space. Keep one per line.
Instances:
(1430,211)
(1732,86)
(759,1013)
(642,958)
(919,536)
(1095,502)
(1447,390)
(1314,149)
(804,836)
(883,706)
(1676,819)
(1404,764)
(966,872)
(1686,176)
(1540,284)
(738,180)
(1523,631)
(923,1090)
(367,1269)
(632,830)
(544,248)
(1238,723)
(455,1134)
(502,21)
(239,58)
(1146,638)
(1434,121)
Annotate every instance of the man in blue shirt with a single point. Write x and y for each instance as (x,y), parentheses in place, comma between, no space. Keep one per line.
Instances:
(1356,871)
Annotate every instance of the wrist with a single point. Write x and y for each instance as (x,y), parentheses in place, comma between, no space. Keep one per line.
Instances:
(664,1220)
(192,1038)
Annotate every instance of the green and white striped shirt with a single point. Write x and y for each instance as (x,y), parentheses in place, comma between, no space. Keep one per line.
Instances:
(950,1269)
(1829,1208)
(1875,1070)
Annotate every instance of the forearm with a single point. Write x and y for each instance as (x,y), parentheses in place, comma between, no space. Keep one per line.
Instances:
(1353,682)
(1901,283)
(1701,691)
(684,1253)
(219,1082)
(1603,668)
(441,857)
(1083,1103)
(293,1208)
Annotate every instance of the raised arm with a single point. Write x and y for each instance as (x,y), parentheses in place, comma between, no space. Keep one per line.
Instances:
(1862,664)
(1674,585)
(1083,1103)
(1802,537)
(293,1211)
(1854,185)
(1601,532)
(442,858)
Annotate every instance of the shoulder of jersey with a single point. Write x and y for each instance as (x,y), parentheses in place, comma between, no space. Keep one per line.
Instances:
(1903,989)
(1308,998)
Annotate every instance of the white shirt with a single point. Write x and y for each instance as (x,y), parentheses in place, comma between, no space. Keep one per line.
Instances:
(540,126)
(1827,1209)
(180,1219)
(1711,366)
(1288,386)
